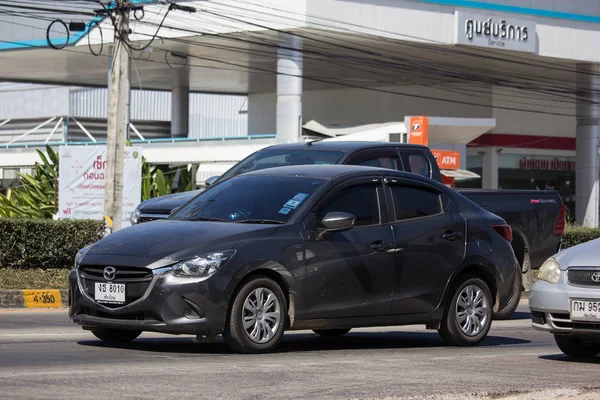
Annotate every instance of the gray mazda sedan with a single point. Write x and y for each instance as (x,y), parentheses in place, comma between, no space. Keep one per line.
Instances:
(326,248)
(565,300)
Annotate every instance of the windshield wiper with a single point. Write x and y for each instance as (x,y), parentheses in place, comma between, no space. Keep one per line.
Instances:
(260,221)
(209,219)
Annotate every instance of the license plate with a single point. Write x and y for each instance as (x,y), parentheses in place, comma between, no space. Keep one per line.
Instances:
(585,310)
(111,293)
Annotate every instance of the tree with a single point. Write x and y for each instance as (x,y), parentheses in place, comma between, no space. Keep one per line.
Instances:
(36,195)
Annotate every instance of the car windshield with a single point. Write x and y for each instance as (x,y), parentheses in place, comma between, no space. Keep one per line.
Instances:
(251,199)
(279,158)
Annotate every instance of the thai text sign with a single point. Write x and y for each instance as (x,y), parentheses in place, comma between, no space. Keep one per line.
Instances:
(505,33)
(82,171)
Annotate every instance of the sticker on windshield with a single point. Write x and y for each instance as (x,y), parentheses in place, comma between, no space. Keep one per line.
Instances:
(300,197)
(285,211)
(292,204)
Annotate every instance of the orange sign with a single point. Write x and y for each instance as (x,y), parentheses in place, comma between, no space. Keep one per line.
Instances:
(447,159)
(419,130)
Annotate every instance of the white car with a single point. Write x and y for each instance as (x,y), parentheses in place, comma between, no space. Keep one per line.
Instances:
(565,299)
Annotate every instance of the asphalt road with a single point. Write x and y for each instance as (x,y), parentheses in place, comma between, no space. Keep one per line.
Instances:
(44,356)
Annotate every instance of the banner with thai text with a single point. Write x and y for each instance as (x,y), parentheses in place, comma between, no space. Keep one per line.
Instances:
(82,172)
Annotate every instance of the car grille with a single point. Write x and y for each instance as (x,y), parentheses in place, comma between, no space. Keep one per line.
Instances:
(145,217)
(137,281)
(584,277)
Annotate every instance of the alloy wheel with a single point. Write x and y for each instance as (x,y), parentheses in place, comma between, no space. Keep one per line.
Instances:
(261,315)
(472,310)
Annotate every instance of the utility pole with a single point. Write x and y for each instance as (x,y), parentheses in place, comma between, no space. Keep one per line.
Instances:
(117,118)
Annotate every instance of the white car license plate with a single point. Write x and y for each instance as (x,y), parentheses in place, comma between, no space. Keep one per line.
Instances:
(111,293)
(585,310)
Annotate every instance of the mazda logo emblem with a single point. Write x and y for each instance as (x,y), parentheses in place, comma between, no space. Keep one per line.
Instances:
(110,273)
(596,277)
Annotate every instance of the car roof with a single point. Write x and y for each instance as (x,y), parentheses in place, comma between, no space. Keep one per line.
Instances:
(346,146)
(331,171)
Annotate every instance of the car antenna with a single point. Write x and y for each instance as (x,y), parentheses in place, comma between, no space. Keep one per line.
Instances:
(308,144)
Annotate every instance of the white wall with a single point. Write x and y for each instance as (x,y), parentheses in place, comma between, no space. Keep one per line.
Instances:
(359,106)
(533,123)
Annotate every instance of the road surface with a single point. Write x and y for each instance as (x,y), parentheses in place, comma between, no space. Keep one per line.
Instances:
(44,356)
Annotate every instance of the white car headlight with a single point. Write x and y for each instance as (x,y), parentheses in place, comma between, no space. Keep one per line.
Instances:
(550,271)
(203,266)
(80,255)
(133,218)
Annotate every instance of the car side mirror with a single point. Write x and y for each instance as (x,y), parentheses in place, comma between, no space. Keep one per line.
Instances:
(173,211)
(211,180)
(338,221)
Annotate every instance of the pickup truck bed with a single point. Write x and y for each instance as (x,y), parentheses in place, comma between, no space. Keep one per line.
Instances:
(535,216)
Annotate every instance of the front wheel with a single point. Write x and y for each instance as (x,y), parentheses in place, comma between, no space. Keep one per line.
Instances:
(256,319)
(115,335)
(468,315)
(331,332)
(576,347)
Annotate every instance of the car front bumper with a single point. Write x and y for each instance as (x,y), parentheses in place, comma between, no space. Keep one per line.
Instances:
(170,304)
(550,307)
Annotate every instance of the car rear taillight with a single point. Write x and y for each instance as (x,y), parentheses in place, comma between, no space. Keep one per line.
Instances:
(504,230)
(559,227)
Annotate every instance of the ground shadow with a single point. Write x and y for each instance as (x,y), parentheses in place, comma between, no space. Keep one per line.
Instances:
(566,359)
(303,342)
(519,315)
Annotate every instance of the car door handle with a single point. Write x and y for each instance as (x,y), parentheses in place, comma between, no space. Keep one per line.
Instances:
(452,235)
(380,245)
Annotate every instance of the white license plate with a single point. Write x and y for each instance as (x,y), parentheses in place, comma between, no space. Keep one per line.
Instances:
(585,310)
(111,293)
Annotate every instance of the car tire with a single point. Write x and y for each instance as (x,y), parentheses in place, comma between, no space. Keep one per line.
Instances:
(115,335)
(512,305)
(248,329)
(575,347)
(468,314)
(331,332)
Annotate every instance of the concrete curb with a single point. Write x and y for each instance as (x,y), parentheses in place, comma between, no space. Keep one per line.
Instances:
(35,298)
(26,298)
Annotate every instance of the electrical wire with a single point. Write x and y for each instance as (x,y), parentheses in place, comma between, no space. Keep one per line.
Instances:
(437,74)
(101,38)
(60,21)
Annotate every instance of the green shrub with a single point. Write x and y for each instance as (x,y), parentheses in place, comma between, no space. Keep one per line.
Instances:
(575,235)
(38,243)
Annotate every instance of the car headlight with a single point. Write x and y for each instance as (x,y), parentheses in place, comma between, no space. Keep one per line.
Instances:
(80,255)
(203,266)
(133,218)
(550,271)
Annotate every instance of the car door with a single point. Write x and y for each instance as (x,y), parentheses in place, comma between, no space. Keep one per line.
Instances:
(429,243)
(348,273)
(381,158)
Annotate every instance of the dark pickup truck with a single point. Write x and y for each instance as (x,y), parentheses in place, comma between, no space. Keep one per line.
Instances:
(537,218)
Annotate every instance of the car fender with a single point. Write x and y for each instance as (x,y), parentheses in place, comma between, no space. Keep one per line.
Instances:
(272,269)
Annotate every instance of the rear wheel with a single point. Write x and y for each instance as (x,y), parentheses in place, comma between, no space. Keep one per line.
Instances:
(257,317)
(115,335)
(331,332)
(577,347)
(468,315)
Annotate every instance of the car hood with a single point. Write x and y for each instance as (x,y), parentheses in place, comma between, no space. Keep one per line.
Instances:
(583,255)
(176,240)
(164,204)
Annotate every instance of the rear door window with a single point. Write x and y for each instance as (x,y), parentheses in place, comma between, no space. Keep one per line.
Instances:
(416,163)
(412,202)
(379,158)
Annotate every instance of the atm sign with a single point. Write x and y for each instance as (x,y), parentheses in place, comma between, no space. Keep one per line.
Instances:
(447,159)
